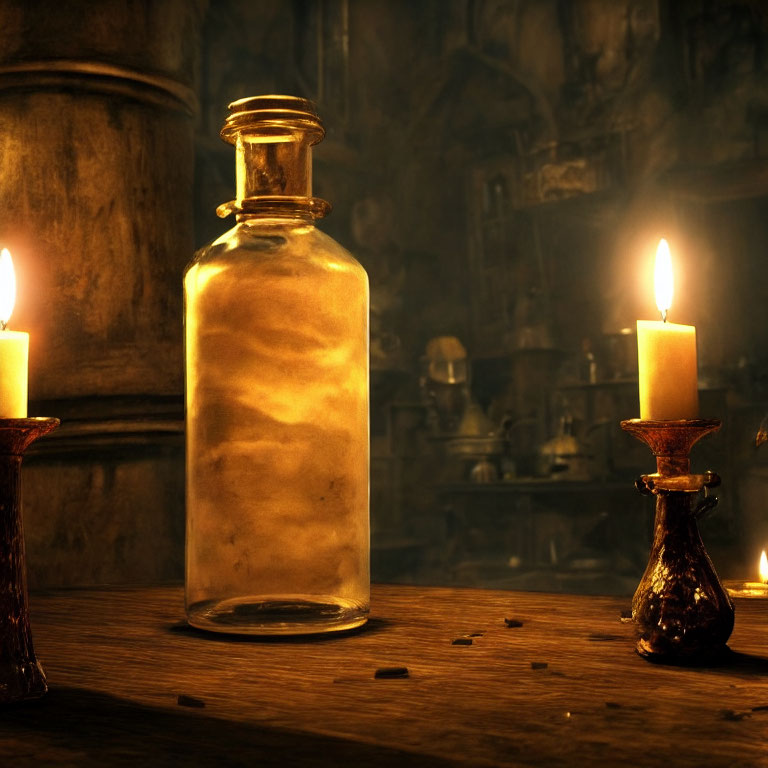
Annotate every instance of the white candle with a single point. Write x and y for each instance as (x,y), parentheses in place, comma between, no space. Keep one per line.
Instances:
(666,353)
(14,348)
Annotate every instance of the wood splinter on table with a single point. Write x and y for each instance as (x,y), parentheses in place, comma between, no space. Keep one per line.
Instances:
(391,672)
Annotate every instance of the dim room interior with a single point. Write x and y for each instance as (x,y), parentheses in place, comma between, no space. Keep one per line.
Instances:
(507,173)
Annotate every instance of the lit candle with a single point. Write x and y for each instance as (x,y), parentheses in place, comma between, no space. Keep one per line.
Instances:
(751,588)
(14,348)
(666,355)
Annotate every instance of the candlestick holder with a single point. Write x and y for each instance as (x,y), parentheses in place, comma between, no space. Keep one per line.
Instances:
(681,610)
(21,676)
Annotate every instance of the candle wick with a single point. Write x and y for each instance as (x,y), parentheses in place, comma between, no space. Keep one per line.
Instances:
(664,315)
(3,324)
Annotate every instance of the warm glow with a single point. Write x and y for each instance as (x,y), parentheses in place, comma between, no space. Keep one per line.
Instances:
(7,287)
(663,278)
(764,568)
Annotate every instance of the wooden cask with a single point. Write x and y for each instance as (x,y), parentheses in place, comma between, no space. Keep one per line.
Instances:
(97,107)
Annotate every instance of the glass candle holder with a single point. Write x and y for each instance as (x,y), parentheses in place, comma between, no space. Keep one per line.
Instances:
(21,676)
(681,611)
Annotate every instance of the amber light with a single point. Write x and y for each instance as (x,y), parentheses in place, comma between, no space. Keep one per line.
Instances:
(764,568)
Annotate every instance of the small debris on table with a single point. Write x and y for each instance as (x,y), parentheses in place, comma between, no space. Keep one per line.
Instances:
(475,634)
(391,673)
(184,700)
(461,641)
(760,708)
(513,623)
(625,616)
(539,665)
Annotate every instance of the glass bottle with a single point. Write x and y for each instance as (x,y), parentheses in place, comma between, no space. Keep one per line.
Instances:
(276,329)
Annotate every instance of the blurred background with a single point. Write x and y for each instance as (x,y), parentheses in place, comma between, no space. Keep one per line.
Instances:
(504,169)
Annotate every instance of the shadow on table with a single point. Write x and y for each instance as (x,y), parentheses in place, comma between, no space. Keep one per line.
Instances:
(728,663)
(73,726)
(745,663)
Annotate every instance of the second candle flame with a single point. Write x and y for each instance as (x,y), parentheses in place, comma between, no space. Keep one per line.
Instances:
(764,568)
(662,277)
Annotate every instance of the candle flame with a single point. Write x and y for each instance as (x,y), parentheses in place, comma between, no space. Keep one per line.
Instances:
(764,568)
(663,280)
(7,287)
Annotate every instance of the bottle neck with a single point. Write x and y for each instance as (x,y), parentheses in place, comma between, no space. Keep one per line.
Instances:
(273,176)
(272,166)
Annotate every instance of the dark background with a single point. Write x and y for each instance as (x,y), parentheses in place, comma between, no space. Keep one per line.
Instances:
(503,169)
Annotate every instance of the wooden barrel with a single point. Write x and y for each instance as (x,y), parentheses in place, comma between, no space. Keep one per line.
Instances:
(97,107)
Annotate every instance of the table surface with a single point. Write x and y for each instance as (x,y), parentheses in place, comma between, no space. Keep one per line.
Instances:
(130,683)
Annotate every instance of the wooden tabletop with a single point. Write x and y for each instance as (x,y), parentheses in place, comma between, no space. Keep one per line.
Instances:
(130,684)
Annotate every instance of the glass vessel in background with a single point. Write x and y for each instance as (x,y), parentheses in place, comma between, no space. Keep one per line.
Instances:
(276,328)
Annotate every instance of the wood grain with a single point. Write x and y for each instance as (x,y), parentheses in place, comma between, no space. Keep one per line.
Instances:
(563,689)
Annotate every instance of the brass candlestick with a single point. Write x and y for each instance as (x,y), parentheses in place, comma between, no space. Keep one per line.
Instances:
(21,676)
(682,612)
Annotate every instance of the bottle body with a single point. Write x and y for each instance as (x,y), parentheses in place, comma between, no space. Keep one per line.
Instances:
(276,331)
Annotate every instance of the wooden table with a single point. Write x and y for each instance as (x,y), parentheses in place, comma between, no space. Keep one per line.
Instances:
(130,684)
